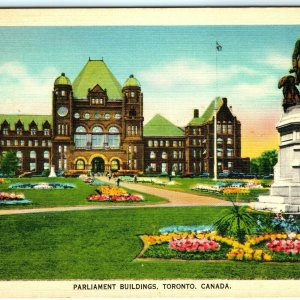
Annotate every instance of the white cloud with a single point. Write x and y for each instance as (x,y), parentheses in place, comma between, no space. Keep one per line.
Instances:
(277,61)
(189,72)
(24,93)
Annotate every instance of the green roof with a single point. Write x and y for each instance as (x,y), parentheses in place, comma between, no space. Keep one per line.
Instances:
(160,126)
(96,72)
(26,120)
(208,114)
(62,80)
(131,81)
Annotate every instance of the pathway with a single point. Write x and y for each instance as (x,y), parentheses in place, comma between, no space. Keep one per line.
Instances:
(176,199)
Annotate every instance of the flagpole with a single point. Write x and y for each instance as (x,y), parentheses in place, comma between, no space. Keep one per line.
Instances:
(218,48)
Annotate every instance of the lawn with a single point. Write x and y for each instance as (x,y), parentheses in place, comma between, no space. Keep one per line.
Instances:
(103,244)
(185,185)
(64,197)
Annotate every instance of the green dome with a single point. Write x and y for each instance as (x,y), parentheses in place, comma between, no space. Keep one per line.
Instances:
(62,80)
(131,81)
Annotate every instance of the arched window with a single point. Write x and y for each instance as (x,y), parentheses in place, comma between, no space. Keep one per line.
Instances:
(97,137)
(219,141)
(33,154)
(114,165)
(152,155)
(80,137)
(164,155)
(150,143)
(113,137)
(46,154)
(80,165)
(80,129)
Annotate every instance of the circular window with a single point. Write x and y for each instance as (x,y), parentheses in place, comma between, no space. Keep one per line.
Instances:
(86,115)
(62,111)
(97,116)
(107,116)
(117,116)
(76,115)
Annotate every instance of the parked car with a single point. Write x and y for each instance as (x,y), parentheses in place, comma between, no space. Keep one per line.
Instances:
(204,175)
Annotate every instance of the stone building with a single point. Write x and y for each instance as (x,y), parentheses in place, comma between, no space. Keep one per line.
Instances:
(97,125)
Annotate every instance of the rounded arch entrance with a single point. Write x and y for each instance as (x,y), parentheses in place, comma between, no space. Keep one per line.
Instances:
(97,163)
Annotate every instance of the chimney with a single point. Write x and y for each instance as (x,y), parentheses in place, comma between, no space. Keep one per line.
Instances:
(224,101)
(196,113)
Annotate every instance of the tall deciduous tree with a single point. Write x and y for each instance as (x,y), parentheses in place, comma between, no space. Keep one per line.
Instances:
(264,164)
(9,163)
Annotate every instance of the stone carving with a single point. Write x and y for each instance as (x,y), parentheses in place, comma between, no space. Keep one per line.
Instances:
(290,92)
(296,62)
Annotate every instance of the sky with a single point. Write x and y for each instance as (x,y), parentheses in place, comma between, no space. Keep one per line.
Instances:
(178,67)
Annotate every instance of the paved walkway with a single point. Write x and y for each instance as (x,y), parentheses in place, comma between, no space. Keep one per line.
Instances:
(175,199)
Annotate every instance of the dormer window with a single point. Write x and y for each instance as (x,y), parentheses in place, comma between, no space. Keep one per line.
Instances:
(19,130)
(46,131)
(63,93)
(33,131)
(5,131)
(132,94)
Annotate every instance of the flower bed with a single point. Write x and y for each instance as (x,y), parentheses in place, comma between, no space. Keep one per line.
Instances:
(13,198)
(2,180)
(42,185)
(115,198)
(181,228)
(235,190)
(192,245)
(113,194)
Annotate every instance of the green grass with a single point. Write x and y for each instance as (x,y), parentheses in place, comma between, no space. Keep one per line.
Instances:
(185,185)
(103,244)
(65,197)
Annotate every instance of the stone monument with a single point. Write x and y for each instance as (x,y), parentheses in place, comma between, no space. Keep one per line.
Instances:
(285,191)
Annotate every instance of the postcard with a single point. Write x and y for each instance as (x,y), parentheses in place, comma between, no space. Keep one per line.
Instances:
(149,152)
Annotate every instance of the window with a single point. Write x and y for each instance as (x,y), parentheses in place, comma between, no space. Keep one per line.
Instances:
(76,115)
(174,143)
(2,142)
(19,155)
(29,143)
(135,149)
(161,143)
(194,166)
(80,137)
(114,137)
(19,130)
(218,127)
(175,154)
(65,164)
(194,142)
(129,149)
(32,154)
(150,143)
(180,166)
(32,166)
(194,153)
(97,137)
(219,141)
(46,154)
(164,155)
(97,115)
(132,94)
(194,131)
(33,130)
(117,116)
(229,141)
(46,166)
(59,129)
(153,166)
(164,168)
(49,143)
(80,165)
(155,143)
(63,93)
(167,143)
(219,152)
(229,152)
(86,115)
(229,128)
(180,143)
(46,131)
(36,143)
(180,154)
(114,165)
(15,142)
(230,164)
(106,116)
(22,143)
(224,127)
(152,155)
(134,164)
(59,149)
(5,131)
(175,167)
(43,143)
(8,143)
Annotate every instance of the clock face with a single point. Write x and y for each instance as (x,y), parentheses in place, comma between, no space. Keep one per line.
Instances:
(62,111)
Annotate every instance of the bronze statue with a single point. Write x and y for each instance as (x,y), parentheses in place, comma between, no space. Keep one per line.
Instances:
(296,61)
(290,92)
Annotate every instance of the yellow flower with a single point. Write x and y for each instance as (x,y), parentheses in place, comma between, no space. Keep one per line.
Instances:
(267,257)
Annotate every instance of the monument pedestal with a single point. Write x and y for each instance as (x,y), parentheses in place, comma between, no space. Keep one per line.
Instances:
(52,172)
(285,192)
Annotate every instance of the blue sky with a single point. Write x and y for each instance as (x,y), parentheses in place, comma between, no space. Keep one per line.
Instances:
(176,66)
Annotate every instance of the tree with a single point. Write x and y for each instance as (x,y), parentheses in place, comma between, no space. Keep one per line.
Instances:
(9,163)
(264,164)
